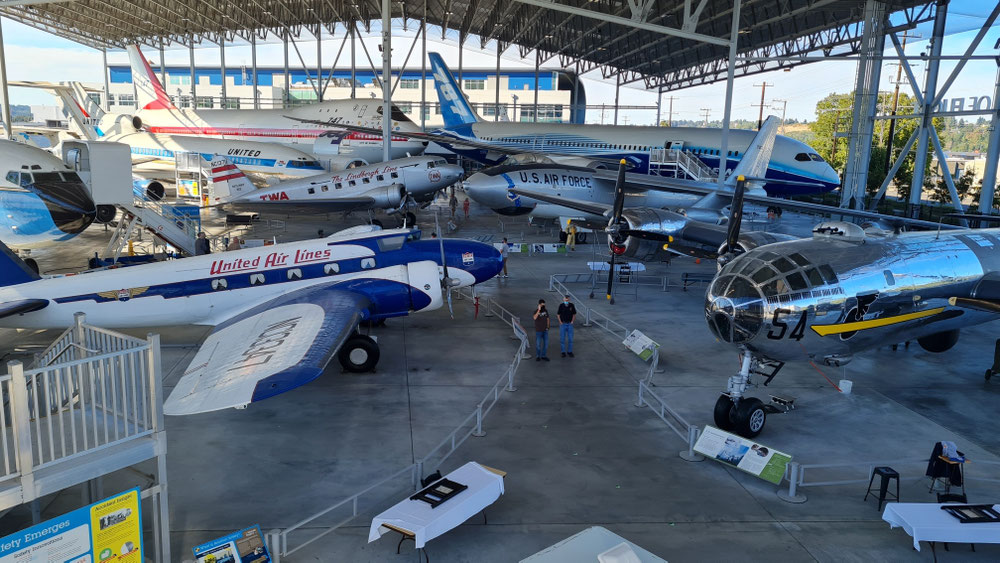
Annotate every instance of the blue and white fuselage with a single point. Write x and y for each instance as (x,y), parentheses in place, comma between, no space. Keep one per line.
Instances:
(41,199)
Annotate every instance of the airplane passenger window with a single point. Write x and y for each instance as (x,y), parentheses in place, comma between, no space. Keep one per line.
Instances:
(797,282)
(366,180)
(367,263)
(352,183)
(430,165)
(337,186)
(802,157)
(380,177)
(324,188)
(394,175)
(311,190)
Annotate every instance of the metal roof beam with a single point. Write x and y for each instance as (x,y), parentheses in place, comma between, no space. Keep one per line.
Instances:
(551,5)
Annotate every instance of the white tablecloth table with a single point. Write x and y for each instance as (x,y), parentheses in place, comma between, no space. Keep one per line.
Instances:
(927,522)
(604,266)
(426,523)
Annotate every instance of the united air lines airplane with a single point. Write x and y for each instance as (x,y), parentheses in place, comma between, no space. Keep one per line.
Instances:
(157,114)
(389,185)
(280,312)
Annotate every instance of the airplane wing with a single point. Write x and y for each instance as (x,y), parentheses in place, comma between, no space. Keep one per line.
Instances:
(592,208)
(338,205)
(269,349)
(985,295)
(452,140)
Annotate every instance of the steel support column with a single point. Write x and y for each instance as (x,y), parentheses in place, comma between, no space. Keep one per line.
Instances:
(734,37)
(386,80)
(3,86)
(618,87)
(354,60)
(866,85)
(423,70)
(930,87)
(163,70)
(496,106)
(288,86)
(194,73)
(253,71)
(222,64)
(992,152)
(319,62)
(538,62)
(107,79)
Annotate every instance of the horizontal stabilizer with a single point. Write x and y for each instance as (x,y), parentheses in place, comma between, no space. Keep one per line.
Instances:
(13,270)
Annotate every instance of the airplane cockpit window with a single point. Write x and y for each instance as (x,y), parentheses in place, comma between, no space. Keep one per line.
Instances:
(391,243)
(828,274)
(71,177)
(814,277)
(816,157)
(799,259)
(430,164)
(14,177)
(440,162)
(802,157)
(784,265)
(48,177)
(26,179)
(796,281)
(763,274)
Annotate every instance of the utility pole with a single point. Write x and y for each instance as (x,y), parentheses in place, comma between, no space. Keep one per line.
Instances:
(895,105)
(705,112)
(784,106)
(670,112)
(763,88)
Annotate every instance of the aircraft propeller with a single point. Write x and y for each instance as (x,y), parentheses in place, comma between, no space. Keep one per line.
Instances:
(446,281)
(731,248)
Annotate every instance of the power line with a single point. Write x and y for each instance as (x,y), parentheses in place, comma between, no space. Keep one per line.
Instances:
(705,113)
(763,88)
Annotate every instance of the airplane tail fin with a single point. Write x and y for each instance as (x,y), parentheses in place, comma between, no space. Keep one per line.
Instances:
(13,270)
(753,165)
(151,94)
(455,107)
(228,181)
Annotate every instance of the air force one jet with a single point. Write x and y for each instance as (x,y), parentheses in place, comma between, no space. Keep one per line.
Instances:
(280,312)
(157,114)
(41,199)
(792,161)
(388,185)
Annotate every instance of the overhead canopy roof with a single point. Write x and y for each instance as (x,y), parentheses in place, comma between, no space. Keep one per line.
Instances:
(635,40)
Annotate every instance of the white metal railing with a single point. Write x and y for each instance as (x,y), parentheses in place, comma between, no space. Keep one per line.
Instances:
(684,160)
(349,508)
(591,316)
(88,391)
(796,473)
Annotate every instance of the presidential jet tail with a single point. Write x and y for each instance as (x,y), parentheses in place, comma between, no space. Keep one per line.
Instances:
(228,181)
(150,92)
(13,270)
(455,107)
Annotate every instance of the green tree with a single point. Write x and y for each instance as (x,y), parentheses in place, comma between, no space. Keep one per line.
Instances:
(833,125)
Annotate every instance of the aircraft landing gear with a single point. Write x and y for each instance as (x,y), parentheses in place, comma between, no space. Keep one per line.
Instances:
(734,412)
(359,354)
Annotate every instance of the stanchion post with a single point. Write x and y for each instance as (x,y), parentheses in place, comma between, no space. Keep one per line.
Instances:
(419,468)
(274,545)
(489,308)
(586,321)
(792,495)
(639,402)
(479,432)
(510,379)
(689,454)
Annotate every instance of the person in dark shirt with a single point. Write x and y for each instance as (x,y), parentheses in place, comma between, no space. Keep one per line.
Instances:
(201,245)
(542,323)
(567,315)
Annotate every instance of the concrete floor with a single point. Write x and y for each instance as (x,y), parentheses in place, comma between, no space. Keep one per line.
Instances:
(578,452)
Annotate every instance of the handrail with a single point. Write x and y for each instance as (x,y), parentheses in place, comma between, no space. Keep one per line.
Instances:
(278,539)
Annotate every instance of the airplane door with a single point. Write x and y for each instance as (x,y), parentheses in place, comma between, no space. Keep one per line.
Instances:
(677,145)
(296,133)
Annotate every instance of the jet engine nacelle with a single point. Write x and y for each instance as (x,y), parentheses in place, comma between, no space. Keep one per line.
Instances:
(328,143)
(387,196)
(939,342)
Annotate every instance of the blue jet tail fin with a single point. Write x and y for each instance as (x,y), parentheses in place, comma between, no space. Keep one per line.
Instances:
(13,270)
(455,108)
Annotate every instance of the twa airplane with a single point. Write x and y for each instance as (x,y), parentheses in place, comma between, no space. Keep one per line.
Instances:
(157,114)
(389,185)
(280,312)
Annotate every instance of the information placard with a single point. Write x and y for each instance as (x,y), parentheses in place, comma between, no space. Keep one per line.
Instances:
(743,454)
(109,530)
(244,546)
(642,345)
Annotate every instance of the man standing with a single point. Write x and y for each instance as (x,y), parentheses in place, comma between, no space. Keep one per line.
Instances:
(504,254)
(453,203)
(202,246)
(542,323)
(571,237)
(567,315)
(465,207)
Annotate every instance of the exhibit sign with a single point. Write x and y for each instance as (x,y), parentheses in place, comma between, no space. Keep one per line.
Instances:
(106,531)
(743,454)
(244,546)
(640,344)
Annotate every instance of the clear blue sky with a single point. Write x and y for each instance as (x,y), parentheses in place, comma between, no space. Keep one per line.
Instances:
(37,55)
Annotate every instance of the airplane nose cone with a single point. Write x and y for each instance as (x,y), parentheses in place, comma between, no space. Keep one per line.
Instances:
(69,203)
(451,173)
(486,190)
(734,309)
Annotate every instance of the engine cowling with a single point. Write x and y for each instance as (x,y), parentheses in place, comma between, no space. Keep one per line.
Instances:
(939,342)
(653,220)
(388,196)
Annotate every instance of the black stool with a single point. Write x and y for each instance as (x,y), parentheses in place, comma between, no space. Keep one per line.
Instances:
(885,473)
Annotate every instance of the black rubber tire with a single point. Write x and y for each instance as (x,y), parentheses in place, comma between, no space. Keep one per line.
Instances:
(749,417)
(989,374)
(411,219)
(106,213)
(31,263)
(377,223)
(155,191)
(723,408)
(359,354)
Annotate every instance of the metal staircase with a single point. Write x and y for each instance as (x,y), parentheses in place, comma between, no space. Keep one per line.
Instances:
(678,163)
(175,229)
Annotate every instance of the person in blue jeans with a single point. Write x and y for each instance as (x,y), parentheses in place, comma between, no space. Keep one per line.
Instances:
(542,323)
(566,315)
